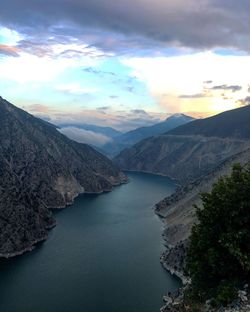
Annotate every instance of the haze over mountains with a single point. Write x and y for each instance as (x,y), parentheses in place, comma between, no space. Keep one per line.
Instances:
(108,131)
(191,150)
(132,137)
(41,169)
(110,141)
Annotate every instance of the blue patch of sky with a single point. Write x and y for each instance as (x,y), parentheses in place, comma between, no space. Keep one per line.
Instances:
(115,84)
(230,52)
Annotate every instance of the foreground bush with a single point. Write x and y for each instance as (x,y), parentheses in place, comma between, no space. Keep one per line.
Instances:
(218,259)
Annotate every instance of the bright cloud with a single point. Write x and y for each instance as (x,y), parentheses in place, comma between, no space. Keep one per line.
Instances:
(179,56)
(76,89)
(40,61)
(180,83)
(9,36)
(30,68)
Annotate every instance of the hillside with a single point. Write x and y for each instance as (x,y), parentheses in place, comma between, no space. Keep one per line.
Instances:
(184,158)
(132,137)
(178,211)
(230,124)
(192,150)
(40,169)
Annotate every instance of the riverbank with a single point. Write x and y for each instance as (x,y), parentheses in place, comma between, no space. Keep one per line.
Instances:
(104,247)
(69,202)
(31,247)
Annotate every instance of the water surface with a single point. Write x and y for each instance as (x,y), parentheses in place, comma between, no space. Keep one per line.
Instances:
(103,256)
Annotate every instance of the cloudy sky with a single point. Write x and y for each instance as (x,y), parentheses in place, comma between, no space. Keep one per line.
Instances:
(124,63)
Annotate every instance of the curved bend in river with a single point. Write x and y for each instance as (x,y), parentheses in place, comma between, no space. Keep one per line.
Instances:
(102,256)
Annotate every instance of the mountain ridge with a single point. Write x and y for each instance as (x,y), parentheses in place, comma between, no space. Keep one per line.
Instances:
(233,123)
(185,153)
(134,136)
(42,169)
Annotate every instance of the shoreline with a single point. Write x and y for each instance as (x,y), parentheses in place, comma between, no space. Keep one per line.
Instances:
(170,269)
(33,244)
(176,182)
(27,249)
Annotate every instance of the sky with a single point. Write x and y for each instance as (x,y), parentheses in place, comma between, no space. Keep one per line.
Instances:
(124,63)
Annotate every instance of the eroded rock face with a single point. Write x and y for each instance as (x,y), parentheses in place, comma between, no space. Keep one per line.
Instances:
(40,169)
(184,158)
(192,150)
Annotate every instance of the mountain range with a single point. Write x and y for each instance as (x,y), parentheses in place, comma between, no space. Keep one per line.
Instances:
(192,150)
(130,138)
(40,169)
(230,124)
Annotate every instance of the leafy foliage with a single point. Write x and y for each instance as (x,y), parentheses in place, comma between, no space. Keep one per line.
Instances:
(219,255)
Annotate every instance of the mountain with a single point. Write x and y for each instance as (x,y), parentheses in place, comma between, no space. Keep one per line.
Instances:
(178,210)
(230,124)
(192,150)
(130,138)
(40,169)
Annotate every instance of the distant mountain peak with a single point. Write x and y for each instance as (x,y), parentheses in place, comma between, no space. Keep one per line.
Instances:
(134,136)
(229,124)
(180,115)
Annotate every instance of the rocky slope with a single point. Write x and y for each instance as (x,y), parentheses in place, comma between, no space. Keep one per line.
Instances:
(40,169)
(230,124)
(177,210)
(178,215)
(192,150)
(130,138)
(184,158)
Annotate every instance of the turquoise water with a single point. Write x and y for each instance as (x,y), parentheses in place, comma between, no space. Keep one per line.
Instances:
(103,256)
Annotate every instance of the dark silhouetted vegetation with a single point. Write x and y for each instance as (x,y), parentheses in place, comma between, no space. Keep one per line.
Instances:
(218,260)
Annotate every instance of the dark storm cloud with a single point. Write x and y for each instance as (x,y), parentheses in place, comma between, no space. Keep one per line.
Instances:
(197,24)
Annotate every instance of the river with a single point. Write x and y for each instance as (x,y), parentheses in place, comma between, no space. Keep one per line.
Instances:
(103,256)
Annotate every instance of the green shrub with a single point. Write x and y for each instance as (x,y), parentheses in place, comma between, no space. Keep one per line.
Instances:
(219,254)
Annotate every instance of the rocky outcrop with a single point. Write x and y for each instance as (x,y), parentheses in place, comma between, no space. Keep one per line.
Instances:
(174,260)
(41,169)
(177,302)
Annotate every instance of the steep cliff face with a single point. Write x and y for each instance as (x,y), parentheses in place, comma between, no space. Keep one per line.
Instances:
(184,158)
(40,169)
